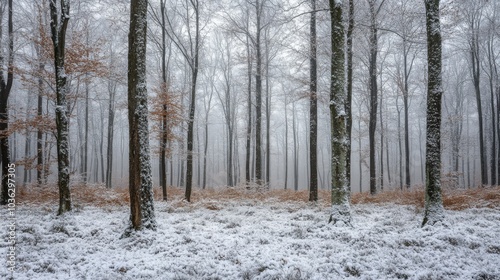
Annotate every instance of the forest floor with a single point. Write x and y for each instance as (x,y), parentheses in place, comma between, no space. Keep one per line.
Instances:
(239,234)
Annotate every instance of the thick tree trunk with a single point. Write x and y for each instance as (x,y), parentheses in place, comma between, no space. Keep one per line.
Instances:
(58,26)
(5,87)
(348,104)
(163,154)
(434,211)
(373,95)
(340,188)
(313,109)
(258,98)
(498,123)
(140,184)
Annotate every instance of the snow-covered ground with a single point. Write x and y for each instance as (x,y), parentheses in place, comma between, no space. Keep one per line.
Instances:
(248,239)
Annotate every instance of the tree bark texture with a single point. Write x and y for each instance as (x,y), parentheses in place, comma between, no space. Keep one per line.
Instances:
(340,189)
(313,109)
(373,95)
(142,214)
(192,105)
(5,87)
(434,211)
(348,104)
(258,97)
(58,26)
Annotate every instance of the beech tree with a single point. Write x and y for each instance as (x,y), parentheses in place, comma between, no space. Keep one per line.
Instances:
(373,46)
(313,109)
(58,26)
(348,104)
(142,214)
(340,188)
(5,87)
(189,46)
(434,211)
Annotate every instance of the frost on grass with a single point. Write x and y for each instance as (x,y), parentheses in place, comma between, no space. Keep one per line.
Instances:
(385,242)
(340,215)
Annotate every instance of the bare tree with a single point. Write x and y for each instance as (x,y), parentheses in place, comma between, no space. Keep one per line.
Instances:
(340,188)
(58,27)
(140,184)
(227,99)
(5,87)
(373,46)
(348,104)
(434,211)
(190,49)
(313,108)
(473,18)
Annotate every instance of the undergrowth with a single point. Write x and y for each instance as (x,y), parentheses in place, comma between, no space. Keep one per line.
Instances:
(212,198)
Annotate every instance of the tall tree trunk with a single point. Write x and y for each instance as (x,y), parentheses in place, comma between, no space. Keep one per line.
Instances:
(198,151)
(373,95)
(39,133)
(207,109)
(400,146)
(387,154)
(258,97)
(348,104)
(422,163)
(140,184)
(268,117)
(381,139)
(194,77)
(498,122)
(86,137)
(58,26)
(360,157)
(340,187)
(249,112)
(286,142)
(434,211)
(313,109)
(27,152)
(164,129)
(111,118)
(101,147)
(295,153)
(205,157)
(405,105)
(476,68)
(493,162)
(5,87)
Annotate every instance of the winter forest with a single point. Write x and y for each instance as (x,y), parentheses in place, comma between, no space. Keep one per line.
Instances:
(250,139)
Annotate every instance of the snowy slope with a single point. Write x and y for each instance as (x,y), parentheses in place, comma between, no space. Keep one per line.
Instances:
(254,240)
